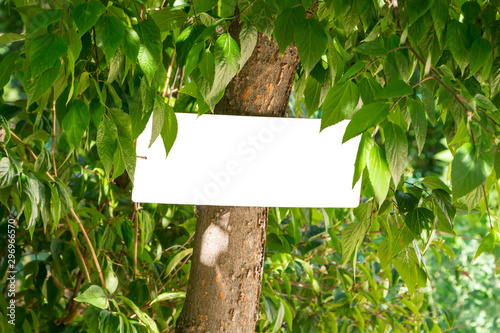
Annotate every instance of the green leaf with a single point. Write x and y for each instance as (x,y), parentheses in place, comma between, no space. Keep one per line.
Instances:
(207,67)
(484,102)
(87,14)
(352,236)
(169,18)
(11,37)
(428,102)
(168,296)
(107,136)
(204,5)
(131,44)
(108,322)
(93,295)
(368,116)
(146,320)
(164,123)
(110,278)
(279,318)
(284,26)
(4,123)
(32,191)
(434,183)
(147,224)
(440,17)
(406,263)
(373,48)
(394,89)
(169,130)
(176,260)
(261,14)
(406,201)
(396,150)
(312,95)
(368,88)
(479,53)
(468,171)
(379,173)
(362,156)
(125,154)
(7,172)
(339,103)
(7,67)
(418,220)
(76,121)
(112,31)
(418,121)
(248,40)
(226,8)
(310,40)
(43,163)
(64,197)
(443,201)
(471,11)
(449,317)
(40,85)
(150,50)
(227,57)
(42,19)
(488,244)
(417,8)
(458,43)
(44,51)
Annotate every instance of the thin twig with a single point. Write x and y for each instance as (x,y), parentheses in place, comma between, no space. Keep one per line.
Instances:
(465,237)
(487,207)
(137,10)
(54,136)
(455,327)
(487,116)
(169,73)
(492,135)
(173,85)
(73,235)
(94,256)
(429,312)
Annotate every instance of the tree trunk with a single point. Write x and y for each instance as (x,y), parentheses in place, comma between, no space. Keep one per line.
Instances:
(226,267)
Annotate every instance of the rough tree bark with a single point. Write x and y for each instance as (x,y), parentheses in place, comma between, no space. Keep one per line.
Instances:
(226,266)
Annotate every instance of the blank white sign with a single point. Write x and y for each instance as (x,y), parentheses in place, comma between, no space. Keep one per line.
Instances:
(248,161)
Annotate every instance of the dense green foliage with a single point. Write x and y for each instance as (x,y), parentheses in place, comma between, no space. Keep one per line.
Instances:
(82,79)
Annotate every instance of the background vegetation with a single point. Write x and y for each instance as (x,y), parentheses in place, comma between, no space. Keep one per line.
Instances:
(81,79)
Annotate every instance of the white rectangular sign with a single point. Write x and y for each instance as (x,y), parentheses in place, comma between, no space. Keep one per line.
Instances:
(248,161)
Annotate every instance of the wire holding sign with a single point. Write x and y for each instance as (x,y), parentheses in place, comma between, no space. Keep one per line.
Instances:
(248,161)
